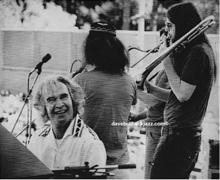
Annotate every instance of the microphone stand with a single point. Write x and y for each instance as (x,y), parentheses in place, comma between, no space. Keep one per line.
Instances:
(26,101)
(29,108)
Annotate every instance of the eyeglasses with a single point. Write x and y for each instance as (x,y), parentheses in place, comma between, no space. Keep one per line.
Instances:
(168,24)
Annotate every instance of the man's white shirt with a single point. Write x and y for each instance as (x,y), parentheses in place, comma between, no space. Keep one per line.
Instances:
(79,144)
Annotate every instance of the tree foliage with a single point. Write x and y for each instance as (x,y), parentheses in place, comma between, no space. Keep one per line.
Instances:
(124,14)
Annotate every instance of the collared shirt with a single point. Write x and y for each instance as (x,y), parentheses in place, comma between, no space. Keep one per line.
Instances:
(79,144)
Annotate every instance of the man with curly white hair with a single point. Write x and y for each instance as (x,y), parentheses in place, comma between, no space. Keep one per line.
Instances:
(66,141)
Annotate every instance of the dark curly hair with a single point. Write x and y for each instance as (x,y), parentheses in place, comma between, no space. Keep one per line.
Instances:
(104,50)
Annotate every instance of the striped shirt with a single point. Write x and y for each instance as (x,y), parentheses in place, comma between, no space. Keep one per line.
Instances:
(108,99)
(78,145)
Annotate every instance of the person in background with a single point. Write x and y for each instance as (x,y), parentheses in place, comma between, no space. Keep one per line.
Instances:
(154,116)
(109,91)
(66,140)
(191,72)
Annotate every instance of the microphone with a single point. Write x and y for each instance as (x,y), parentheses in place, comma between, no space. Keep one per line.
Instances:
(38,67)
(46,58)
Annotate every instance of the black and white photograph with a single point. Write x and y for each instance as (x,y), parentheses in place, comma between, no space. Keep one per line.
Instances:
(109,89)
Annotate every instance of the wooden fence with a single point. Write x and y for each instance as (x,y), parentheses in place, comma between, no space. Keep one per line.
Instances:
(21,50)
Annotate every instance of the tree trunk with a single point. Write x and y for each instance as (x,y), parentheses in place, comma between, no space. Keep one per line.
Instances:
(154,15)
(126,14)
